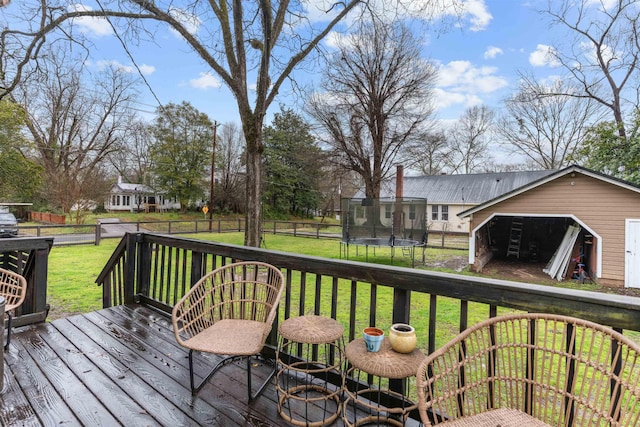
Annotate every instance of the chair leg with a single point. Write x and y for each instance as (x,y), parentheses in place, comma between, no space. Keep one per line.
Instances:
(9,318)
(257,394)
(196,388)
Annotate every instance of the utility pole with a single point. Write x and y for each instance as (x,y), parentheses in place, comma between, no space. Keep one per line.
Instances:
(213,166)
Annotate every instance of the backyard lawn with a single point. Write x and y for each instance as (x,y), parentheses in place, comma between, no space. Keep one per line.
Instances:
(74,269)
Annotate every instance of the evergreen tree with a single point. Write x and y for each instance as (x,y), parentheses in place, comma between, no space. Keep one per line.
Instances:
(604,150)
(292,165)
(181,153)
(20,177)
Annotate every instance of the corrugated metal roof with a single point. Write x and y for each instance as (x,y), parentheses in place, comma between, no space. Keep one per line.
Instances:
(460,189)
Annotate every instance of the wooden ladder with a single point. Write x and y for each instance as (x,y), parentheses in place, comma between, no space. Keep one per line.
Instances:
(515,237)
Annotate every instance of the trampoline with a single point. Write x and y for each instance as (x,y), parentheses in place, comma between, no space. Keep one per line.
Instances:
(393,223)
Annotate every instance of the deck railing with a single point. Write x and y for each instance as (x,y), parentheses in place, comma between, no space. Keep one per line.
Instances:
(29,257)
(158,269)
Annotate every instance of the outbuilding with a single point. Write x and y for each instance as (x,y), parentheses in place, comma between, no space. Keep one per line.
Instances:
(583,222)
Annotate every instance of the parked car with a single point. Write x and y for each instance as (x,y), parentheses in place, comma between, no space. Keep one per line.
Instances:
(8,225)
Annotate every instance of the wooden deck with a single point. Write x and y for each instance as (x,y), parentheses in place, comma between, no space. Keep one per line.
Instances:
(121,366)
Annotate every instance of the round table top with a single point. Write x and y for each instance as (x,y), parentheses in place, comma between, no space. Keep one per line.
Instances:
(311,329)
(386,362)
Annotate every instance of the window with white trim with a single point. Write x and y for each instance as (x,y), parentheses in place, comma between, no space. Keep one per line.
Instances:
(387,210)
(439,212)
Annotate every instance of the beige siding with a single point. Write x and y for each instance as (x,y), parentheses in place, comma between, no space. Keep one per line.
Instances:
(602,206)
(455,224)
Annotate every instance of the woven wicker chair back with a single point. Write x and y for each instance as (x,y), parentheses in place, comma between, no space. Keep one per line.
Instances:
(13,288)
(560,370)
(241,291)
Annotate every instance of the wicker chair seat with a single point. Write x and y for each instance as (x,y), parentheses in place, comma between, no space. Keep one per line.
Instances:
(231,336)
(503,417)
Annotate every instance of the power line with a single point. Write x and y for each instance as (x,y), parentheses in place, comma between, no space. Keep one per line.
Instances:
(126,49)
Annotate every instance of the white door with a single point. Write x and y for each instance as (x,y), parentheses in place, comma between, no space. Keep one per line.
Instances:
(632,254)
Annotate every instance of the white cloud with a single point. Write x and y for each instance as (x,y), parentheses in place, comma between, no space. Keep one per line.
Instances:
(147,69)
(543,56)
(462,83)
(188,20)
(463,77)
(608,55)
(144,69)
(603,4)
(492,52)
(115,64)
(335,39)
(443,99)
(205,81)
(89,25)
(477,12)
(474,12)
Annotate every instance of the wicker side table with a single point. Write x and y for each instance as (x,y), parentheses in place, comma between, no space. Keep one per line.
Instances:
(365,405)
(310,355)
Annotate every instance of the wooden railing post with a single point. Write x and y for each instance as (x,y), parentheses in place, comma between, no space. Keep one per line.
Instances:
(144,261)
(29,257)
(39,275)
(98,234)
(130,269)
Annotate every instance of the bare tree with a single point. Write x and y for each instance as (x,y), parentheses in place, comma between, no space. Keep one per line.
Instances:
(75,126)
(469,141)
(602,51)
(238,40)
(431,154)
(376,100)
(547,130)
(133,159)
(230,174)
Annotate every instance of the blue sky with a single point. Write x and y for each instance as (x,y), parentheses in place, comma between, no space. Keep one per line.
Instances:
(478,60)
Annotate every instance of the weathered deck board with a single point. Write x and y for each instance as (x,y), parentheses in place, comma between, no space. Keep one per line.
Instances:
(121,366)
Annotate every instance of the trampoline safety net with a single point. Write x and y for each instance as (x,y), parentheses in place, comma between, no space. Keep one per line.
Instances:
(384,222)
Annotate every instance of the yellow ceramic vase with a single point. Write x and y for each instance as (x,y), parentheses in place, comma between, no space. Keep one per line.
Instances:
(402,338)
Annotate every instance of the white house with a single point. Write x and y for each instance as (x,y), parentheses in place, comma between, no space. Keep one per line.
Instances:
(125,197)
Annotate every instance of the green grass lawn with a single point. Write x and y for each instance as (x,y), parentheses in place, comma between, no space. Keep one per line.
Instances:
(74,269)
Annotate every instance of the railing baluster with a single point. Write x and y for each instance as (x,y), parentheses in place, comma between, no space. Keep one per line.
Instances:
(352,313)
(570,346)
(303,293)
(287,294)
(616,360)
(433,304)
(373,299)
(318,296)
(157,277)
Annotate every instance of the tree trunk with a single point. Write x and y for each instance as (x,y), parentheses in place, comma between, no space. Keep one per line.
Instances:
(253,216)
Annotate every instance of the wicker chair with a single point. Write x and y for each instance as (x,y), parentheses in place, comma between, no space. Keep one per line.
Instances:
(532,370)
(13,287)
(230,311)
